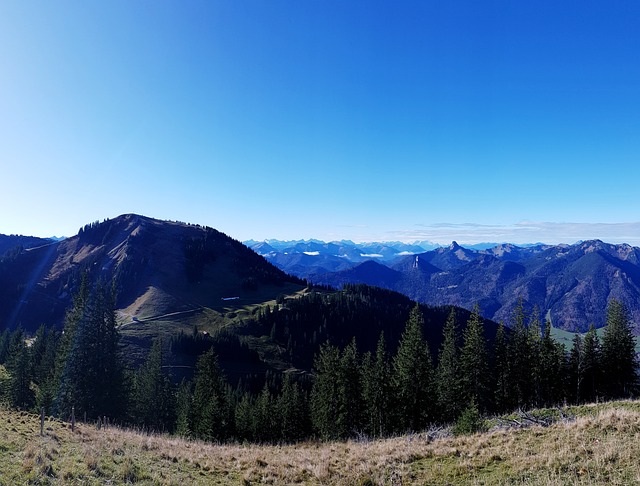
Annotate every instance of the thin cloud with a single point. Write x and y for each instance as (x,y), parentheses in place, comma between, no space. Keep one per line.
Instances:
(523,232)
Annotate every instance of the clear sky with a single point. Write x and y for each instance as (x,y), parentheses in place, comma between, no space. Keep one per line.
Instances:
(501,121)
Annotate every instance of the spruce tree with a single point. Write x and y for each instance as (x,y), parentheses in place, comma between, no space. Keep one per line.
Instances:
(412,377)
(209,410)
(152,392)
(591,366)
(325,406)
(474,363)
(448,376)
(552,368)
(5,340)
(184,409)
(618,353)
(575,366)
(536,371)
(349,392)
(375,390)
(64,397)
(501,386)
(244,418)
(265,417)
(38,346)
(19,367)
(92,377)
(43,362)
(291,411)
(519,360)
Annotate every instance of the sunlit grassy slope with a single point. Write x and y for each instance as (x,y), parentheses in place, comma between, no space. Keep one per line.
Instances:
(138,334)
(600,444)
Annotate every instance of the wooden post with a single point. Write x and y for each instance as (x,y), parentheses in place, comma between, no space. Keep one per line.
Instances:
(85,417)
(42,422)
(98,423)
(73,419)
(104,421)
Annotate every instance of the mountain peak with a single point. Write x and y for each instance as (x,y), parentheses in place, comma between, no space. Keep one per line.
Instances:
(454,246)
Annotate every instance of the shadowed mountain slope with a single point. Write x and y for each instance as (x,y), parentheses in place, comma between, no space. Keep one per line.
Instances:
(159,267)
(10,243)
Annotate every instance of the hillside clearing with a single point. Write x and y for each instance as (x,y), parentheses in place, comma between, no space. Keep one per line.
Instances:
(600,446)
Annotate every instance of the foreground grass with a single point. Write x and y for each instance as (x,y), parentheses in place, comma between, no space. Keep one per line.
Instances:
(601,445)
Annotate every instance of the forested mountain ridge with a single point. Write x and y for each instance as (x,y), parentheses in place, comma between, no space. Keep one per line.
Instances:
(570,283)
(159,267)
(198,289)
(16,242)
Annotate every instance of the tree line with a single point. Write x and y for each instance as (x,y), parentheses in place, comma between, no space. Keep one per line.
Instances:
(388,390)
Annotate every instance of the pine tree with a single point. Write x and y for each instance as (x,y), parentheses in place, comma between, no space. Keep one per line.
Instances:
(474,363)
(448,376)
(618,353)
(412,377)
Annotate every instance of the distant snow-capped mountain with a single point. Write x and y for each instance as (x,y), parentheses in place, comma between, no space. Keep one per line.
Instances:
(309,258)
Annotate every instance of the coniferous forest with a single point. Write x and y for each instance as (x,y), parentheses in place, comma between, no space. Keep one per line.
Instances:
(392,385)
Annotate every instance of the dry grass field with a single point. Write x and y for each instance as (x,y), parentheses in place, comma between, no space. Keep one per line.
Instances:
(600,445)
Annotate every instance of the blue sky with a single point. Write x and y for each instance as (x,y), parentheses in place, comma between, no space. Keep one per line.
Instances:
(475,121)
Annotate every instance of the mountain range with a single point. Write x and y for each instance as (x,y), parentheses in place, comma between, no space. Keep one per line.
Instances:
(569,284)
(171,276)
(196,287)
